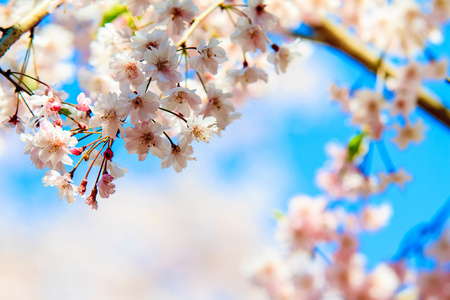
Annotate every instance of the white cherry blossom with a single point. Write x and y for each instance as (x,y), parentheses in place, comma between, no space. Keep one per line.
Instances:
(249,36)
(178,157)
(177,14)
(210,57)
(199,128)
(63,183)
(161,65)
(139,105)
(182,100)
(146,137)
(108,113)
(143,41)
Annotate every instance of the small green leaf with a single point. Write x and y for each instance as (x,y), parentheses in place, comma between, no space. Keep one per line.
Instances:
(278,215)
(354,146)
(112,14)
(64,111)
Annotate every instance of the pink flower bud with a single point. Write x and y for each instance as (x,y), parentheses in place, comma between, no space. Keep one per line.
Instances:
(82,187)
(108,154)
(55,106)
(76,151)
(91,200)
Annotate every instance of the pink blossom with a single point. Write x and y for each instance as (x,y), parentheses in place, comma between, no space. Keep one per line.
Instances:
(284,55)
(375,217)
(143,41)
(161,65)
(83,102)
(105,186)
(146,137)
(210,57)
(307,223)
(108,113)
(126,70)
(247,75)
(409,133)
(178,157)
(54,144)
(177,14)
(256,11)
(218,107)
(249,36)
(64,184)
(182,100)
(140,105)
(199,128)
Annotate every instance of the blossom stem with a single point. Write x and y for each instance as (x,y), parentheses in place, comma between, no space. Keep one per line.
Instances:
(229,16)
(89,134)
(385,157)
(95,158)
(173,113)
(148,84)
(197,22)
(7,75)
(367,161)
(317,250)
(201,80)
(70,104)
(31,77)
(84,155)
(26,104)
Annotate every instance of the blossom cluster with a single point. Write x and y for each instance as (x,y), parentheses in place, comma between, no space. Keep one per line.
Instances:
(152,76)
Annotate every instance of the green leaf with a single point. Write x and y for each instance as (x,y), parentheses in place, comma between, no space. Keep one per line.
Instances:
(354,146)
(278,215)
(64,111)
(112,14)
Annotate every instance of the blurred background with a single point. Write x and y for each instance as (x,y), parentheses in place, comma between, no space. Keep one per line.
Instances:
(164,235)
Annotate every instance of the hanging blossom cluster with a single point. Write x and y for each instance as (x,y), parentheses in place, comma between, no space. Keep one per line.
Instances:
(320,258)
(160,75)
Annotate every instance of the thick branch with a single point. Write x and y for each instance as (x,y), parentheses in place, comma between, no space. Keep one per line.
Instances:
(13,33)
(337,36)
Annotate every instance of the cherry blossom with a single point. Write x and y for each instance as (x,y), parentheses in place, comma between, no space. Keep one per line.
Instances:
(64,184)
(249,36)
(105,186)
(247,75)
(210,57)
(409,133)
(178,157)
(182,100)
(177,14)
(126,69)
(218,107)
(140,105)
(146,137)
(284,55)
(54,144)
(199,128)
(143,40)
(108,113)
(161,65)
(83,102)
(257,13)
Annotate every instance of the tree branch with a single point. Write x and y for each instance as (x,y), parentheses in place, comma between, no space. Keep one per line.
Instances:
(13,33)
(338,37)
